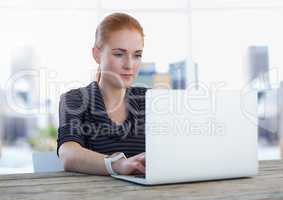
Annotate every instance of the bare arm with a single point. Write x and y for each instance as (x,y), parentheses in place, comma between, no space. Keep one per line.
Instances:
(78,159)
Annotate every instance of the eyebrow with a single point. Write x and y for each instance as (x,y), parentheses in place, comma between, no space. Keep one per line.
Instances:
(124,50)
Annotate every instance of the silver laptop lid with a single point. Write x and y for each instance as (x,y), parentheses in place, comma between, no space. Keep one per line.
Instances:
(200,136)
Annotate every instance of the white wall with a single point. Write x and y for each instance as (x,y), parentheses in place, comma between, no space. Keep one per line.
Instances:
(221,38)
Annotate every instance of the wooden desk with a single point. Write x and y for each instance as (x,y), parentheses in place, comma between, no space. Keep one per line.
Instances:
(50,186)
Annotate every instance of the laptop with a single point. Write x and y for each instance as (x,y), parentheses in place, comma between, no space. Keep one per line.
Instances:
(198,136)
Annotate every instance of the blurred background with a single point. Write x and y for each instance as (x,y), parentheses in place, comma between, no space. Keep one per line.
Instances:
(46,50)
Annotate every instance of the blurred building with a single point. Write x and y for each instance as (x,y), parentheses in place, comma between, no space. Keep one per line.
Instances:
(162,80)
(146,75)
(178,74)
(1,119)
(175,78)
(24,63)
(258,70)
(22,94)
(268,109)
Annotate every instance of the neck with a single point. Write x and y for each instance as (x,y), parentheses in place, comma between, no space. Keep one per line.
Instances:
(112,95)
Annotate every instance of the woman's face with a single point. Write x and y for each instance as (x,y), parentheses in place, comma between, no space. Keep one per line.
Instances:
(120,58)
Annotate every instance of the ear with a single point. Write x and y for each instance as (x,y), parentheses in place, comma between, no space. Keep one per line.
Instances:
(96,54)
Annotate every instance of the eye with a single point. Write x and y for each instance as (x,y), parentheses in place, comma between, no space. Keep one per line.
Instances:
(138,55)
(118,54)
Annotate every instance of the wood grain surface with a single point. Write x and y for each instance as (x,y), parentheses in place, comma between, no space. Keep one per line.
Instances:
(268,184)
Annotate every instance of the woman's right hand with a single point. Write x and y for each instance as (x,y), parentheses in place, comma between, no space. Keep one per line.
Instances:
(132,165)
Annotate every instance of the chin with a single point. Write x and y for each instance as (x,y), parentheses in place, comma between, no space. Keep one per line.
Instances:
(123,84)
(127,84)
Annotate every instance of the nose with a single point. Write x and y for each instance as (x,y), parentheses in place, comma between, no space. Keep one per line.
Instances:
(128,62)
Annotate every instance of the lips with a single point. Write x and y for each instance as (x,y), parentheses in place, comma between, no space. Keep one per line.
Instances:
(126,75)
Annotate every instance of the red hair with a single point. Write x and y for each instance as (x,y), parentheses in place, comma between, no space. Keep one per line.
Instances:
(111,23)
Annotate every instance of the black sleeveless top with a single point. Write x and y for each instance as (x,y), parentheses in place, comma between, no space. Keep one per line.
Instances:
(83,119)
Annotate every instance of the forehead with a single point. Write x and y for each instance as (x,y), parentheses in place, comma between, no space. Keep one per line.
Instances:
(130,40)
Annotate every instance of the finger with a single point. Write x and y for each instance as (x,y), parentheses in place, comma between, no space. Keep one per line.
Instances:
(141,159)
(141,156)
(136,172)
(140,167)
(138,155)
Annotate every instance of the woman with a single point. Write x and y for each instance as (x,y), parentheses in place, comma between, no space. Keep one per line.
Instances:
(101,128)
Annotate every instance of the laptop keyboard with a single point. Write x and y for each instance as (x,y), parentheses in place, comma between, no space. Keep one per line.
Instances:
(140,176)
